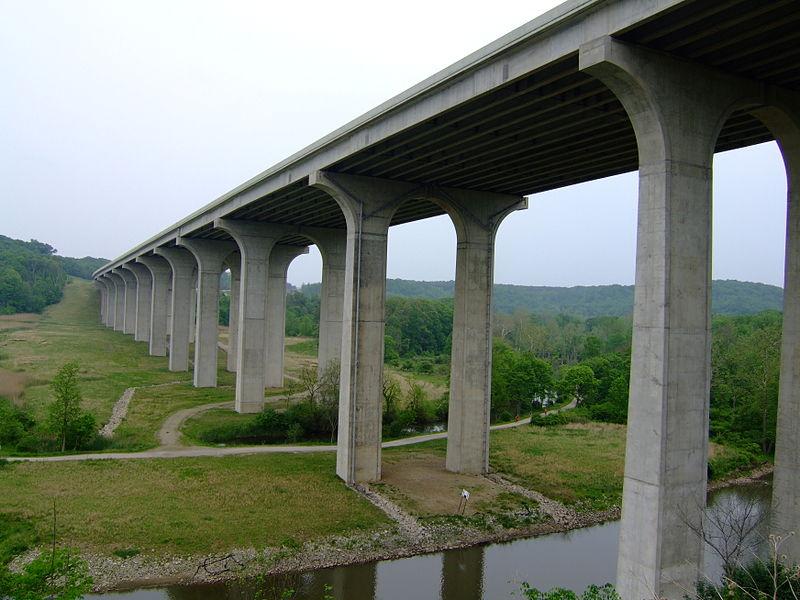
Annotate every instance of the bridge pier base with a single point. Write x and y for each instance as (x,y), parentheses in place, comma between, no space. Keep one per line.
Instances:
(182,264)
(159,301)
(279,260)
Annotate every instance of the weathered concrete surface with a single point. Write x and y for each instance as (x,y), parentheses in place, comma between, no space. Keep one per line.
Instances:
(144,298)
(210,255)
(183,266)
(676,110)
(279,260)
(332,244)
(129,300)
(255,242)
(160,297)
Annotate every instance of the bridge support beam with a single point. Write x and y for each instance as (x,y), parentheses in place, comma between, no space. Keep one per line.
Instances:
(210,255)
(783,119)
(144,292)
(279,260)
(108,313)
(182,264)
(129,300)
(235,265)
(677,110)
(255,241)
(160,273)
(101,289)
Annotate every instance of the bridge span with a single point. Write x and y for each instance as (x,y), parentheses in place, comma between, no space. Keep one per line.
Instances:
(590,89)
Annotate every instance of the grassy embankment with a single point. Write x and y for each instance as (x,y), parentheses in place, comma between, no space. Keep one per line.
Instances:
(161,506)
(33,347)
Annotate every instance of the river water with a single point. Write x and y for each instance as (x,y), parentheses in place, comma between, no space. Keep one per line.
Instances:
(572,560)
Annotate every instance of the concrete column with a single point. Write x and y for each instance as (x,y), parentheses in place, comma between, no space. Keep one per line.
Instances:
(676,110)
(279,260)
(193,308)
(368,205)
(333,247)
(160,297)
(119,300)
(129,302)
(144,293)
(210,255)
(110,300)
(476,216)
(101,289)
(183,264)
(234,264)
(783,119)
(255,242)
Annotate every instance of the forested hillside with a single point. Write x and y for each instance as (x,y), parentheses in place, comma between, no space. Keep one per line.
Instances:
(33,276)
(728,297)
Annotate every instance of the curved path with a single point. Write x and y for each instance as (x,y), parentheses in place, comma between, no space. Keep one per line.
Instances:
(172,435)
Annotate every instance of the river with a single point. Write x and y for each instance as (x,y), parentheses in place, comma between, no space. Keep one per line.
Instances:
(572,560)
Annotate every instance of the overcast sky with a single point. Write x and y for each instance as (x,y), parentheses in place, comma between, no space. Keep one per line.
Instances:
(119,118)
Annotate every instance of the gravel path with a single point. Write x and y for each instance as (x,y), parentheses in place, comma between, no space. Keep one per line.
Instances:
(118,413)
(169,436)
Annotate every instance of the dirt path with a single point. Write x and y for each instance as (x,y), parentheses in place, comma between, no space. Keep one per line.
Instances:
(169,436)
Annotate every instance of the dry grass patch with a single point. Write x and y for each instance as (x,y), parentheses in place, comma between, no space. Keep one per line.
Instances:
(187,506)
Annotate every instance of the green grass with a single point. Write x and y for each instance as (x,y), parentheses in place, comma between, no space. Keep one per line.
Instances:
(580,465)
(16,535)
(308,347)
(186,506)
(194,428)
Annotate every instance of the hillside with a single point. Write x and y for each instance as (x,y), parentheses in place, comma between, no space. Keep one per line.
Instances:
(728,297)
(32,276)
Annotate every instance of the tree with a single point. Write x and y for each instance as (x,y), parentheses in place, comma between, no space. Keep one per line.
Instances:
(66,419)
(577,383)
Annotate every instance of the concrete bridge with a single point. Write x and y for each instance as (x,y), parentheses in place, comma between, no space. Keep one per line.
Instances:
(590,89)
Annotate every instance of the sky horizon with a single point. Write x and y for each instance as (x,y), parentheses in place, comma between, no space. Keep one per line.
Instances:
(127,117)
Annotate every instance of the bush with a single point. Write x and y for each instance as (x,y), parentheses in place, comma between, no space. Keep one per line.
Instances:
(593,592)
(756,580)
(59,575)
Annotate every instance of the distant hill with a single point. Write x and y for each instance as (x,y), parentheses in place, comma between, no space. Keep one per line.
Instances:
(728,297)
(33,276)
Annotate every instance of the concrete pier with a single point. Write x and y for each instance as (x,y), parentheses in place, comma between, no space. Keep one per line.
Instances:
(676,110)
(210,255)
(183,266)
(332,244)
(234,264)
(144,292)
(255,241)
(129,300)
(160,297)
(119,300)
(279,260)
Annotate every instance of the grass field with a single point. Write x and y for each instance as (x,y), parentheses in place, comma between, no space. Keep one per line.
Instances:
(186,506)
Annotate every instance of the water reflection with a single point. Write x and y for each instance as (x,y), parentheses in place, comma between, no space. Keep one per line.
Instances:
(573,560)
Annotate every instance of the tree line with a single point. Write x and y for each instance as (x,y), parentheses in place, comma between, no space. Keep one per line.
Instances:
(32,276)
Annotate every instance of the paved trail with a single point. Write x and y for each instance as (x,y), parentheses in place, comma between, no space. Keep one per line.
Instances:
(169,436)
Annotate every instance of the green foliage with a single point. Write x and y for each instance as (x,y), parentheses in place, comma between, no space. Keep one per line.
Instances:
(81,267)
(518,380)
(72,426)
(756,580)
(16,536)
(224,309)
(593,592)
(302,315)
(411,412)
(56,575)
(15,426)
(745,364)
(417,327)
(30,276)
